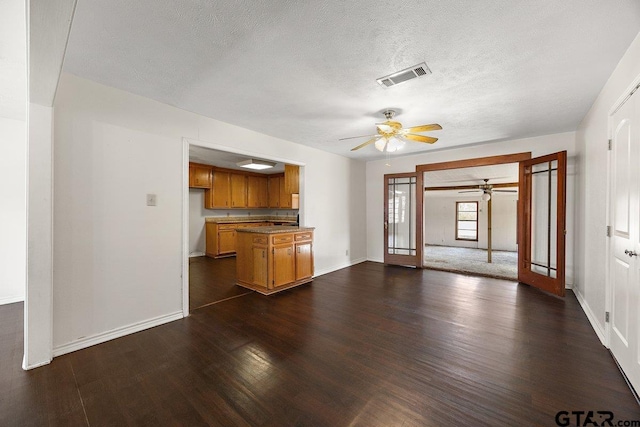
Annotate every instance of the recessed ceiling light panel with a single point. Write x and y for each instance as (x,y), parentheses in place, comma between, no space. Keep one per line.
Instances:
(410,73)
(256,164)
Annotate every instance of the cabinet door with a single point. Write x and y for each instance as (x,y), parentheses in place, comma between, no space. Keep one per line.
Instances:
(304,261)
(226,241)
(285,198)
(284,267)
(199,177)
(274,191)
(292,179)
(257,192)
(260,266)
(219,195)
(238,190)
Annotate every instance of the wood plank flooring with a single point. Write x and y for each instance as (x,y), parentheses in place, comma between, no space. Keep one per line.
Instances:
(212,280)
(369,345)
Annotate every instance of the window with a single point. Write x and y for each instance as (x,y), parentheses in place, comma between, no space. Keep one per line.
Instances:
(467,221)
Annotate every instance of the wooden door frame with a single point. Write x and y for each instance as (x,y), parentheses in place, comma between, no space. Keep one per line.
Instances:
(526,275)
(401,259)
(457,164)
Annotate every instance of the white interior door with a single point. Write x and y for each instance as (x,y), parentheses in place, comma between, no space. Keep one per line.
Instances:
(624,279)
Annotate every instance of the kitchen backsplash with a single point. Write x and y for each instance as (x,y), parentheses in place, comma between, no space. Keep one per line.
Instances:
(291,214)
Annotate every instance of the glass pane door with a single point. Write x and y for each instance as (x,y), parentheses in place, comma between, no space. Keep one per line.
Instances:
(541,230)
(402,231)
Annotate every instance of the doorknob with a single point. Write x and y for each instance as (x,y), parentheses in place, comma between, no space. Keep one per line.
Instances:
(630,253)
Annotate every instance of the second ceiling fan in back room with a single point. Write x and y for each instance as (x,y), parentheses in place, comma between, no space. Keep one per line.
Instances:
(391,135)
(488,189)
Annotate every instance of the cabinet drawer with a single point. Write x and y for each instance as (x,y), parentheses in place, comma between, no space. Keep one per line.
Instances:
(303,236)
(227,226)
(282,238)
(260,240)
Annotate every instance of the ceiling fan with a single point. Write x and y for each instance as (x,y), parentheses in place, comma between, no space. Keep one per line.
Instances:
(391,135)
(488,189)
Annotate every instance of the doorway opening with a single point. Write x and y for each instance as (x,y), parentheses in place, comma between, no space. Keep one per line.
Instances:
(210,220)
(470,220)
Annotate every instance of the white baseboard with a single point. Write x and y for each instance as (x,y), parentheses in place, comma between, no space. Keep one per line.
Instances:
(597,327)
(195,254)
(339,267)
(11,299)
(115,333)
(37,365)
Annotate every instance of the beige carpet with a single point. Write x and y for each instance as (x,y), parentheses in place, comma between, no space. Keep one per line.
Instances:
(504,264)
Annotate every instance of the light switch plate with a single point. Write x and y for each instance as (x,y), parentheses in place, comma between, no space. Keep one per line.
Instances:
(151,200)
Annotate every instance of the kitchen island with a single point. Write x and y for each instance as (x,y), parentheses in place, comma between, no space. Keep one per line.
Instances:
(272,259)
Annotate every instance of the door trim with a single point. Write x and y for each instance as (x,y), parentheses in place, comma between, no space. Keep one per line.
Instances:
(456,164)
(478,161)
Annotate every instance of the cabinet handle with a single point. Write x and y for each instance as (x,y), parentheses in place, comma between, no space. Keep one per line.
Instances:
(289,251)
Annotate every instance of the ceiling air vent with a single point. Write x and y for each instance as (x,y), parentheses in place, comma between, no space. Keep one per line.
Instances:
(404,75)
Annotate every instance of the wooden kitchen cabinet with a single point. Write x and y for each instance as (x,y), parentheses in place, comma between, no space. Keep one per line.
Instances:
(292,179)
(257,191)
(274,191)
(238,183)
(221,237)
(199,176)
(219,197)
(288,254)
(304,255)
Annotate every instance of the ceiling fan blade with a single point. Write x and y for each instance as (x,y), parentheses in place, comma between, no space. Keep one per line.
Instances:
(469,191)
(420,138)
(505,191)
(364,144)
(424,128)
(354,137)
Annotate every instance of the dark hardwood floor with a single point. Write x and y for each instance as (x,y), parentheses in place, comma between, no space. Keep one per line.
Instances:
(212,280)
(369,345)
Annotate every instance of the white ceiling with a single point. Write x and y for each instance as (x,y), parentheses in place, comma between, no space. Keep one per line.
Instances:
(227,160)
(305,71)
(13,60)
(469,176)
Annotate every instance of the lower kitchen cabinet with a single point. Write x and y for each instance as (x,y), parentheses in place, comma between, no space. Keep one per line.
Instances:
(281,255)
(221,238)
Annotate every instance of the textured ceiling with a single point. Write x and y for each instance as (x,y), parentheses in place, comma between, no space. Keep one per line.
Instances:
(305,71)
(227,160)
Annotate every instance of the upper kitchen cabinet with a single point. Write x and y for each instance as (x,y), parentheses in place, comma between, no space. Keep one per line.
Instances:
(292,179)
(199,176)
(257,191)
(219,196)
(274,191)
(238,190)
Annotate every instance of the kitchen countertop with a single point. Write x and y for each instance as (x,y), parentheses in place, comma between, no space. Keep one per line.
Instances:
(274,229)
(257,218)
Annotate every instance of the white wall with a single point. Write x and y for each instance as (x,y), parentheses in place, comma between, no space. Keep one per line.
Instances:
(538,146)
(440,222)
(13,210)
(117,262)
(593,167)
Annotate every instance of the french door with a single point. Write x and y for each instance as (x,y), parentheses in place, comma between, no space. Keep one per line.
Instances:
(541,225)
(624,214)
(403,219)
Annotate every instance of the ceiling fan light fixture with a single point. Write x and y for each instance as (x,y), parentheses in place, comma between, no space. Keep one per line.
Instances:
(256,164)
(485,196)
(381,144)
(394,144)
